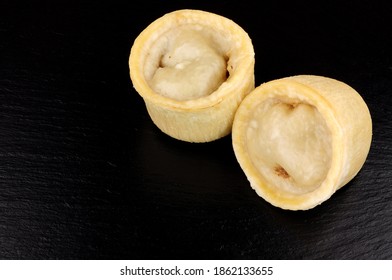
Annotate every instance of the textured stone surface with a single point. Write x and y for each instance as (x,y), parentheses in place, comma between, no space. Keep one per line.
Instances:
(85,174)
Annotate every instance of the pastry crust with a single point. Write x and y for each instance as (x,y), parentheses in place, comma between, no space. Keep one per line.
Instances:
(201,118)
(301,138)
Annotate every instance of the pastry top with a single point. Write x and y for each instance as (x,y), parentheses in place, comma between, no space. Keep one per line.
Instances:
(190,59)
(190,67)
(293,156)
(289,143)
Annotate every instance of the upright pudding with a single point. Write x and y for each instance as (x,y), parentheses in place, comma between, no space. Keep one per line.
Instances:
(193,69)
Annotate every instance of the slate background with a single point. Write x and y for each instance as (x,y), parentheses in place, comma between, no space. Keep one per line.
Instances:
(84,174)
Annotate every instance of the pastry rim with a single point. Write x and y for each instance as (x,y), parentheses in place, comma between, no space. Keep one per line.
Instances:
(178,18)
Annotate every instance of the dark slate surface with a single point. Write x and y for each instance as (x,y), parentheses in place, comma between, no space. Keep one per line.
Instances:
(84,174)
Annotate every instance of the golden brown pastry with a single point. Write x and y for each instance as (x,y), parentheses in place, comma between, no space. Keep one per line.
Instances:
(301,138)
(192,68)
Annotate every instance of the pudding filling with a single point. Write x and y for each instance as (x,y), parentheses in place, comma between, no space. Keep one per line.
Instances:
(191,66)
(289,143)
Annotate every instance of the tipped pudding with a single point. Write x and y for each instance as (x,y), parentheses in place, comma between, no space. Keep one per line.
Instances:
(299,139)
